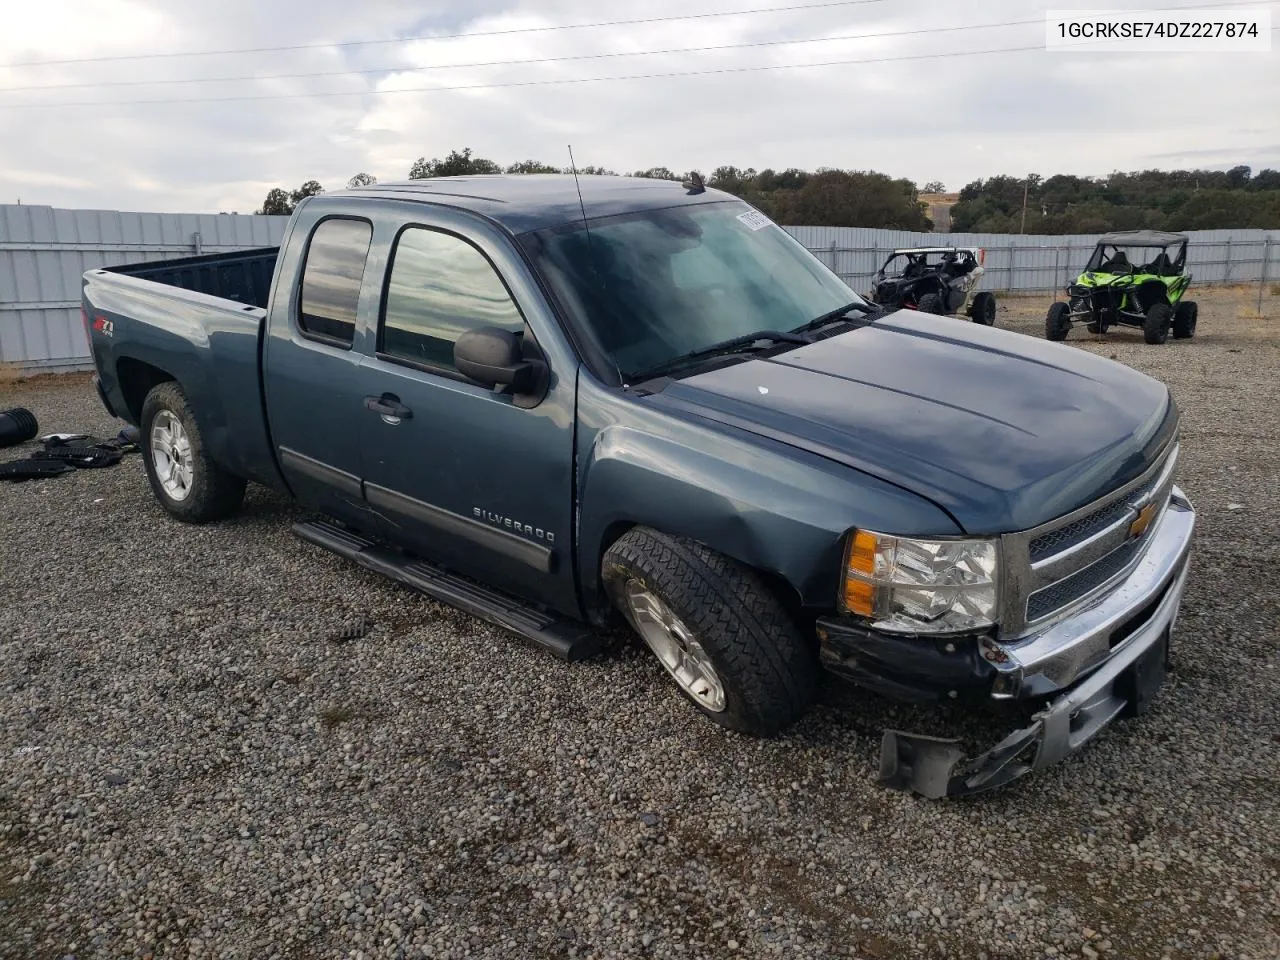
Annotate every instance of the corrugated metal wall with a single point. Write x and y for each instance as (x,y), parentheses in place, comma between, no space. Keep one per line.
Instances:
(1039,263)
(44,252)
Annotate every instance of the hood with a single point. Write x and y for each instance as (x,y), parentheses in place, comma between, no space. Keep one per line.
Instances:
(1003,431)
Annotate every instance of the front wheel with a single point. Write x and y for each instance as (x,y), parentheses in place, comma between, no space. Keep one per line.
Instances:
(716,628)
(186,481)
(983,308)
(1184,320)
(1058,321)
(1155,329)
(929,303)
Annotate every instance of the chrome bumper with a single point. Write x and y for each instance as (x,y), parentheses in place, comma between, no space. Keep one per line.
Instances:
(1114,677)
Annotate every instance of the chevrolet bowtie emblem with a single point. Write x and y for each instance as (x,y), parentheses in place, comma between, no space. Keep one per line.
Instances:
(1142,521)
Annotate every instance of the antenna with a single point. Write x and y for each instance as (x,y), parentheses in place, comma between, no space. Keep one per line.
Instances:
(591,250)
(582,206)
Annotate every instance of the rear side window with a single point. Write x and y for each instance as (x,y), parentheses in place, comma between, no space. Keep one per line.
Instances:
(440,287)
(331,280)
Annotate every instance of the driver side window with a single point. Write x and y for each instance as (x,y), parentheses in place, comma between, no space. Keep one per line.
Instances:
(440,287)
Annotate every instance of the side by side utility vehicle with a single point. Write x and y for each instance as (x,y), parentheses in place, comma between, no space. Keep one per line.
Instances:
(940,280)
(1135,278)
(648,400)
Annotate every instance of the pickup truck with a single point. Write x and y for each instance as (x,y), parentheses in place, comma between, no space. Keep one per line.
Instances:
(551,404)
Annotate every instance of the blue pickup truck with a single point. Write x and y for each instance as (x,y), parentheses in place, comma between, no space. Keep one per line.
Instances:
(553,405)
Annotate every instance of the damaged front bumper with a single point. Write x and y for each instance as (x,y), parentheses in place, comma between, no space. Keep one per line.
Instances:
(1123,639)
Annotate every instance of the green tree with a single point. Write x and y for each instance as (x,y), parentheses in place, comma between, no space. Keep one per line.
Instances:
(361,180)
(531,166)
(934,186)
(277,204)
(311,188)
(456,164)
(658,173)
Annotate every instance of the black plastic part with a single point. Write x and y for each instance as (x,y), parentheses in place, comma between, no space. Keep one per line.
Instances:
(937,768)
(83,457)
(17,425)
(34,469)
(913,669)
(496,358)
(566,639)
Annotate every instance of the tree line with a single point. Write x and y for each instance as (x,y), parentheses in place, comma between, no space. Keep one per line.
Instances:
(821,197)
(1146,200)
(1150,199)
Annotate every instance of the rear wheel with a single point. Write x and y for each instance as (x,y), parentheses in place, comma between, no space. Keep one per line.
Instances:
(183,477)
(929,303)
(1058,321)
(716,628)
(983,308)
(1155,329)
(1184,320)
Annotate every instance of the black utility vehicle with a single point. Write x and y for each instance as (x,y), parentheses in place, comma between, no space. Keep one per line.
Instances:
(935,280)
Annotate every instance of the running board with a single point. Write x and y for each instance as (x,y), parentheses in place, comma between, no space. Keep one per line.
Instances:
(566,639)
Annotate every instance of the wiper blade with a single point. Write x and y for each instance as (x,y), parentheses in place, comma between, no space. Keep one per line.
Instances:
(859,305)
(747,341)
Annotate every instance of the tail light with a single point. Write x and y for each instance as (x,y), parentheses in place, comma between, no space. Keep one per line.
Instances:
(84,318)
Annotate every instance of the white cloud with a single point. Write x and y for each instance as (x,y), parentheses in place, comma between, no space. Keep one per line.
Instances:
(953,118)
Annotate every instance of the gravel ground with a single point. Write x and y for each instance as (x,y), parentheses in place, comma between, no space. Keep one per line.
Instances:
(194,764)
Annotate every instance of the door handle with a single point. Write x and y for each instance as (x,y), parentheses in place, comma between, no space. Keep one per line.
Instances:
(389,407)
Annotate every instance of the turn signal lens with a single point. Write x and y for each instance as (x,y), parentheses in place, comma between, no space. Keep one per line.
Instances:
(862,555)
(859,597)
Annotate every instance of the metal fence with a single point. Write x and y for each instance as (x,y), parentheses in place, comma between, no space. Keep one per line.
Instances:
(1039,264)
(45,251)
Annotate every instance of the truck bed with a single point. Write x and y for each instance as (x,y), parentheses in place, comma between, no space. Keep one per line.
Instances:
(243,276)
(198,321)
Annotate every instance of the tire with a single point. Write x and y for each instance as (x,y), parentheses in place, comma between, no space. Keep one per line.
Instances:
(767,673)
(1057,323)
(1184,320)
(929,303)
(1155,329)
(188,484)
(983,308)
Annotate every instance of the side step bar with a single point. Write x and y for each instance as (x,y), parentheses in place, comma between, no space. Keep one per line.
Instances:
(566,639)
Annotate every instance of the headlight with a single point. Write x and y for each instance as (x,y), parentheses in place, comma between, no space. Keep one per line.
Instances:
(921,586)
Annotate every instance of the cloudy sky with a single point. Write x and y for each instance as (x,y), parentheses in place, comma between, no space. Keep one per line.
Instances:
(75,134)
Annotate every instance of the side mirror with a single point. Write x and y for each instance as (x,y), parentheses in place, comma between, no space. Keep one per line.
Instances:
(495,358)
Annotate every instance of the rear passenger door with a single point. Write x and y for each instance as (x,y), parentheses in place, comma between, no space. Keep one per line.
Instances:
(467,478)
(312,390)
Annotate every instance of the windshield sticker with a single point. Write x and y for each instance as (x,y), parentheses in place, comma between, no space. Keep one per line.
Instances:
(754,219)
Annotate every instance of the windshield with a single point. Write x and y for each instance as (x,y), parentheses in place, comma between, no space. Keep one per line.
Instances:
(657,285)
(1128,257)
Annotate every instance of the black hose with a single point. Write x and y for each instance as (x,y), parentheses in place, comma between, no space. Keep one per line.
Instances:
(17,426)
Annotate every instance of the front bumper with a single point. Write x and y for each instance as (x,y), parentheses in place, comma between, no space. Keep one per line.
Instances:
(1098,663)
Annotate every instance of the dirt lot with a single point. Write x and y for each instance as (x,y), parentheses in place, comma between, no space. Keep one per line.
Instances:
(193,763)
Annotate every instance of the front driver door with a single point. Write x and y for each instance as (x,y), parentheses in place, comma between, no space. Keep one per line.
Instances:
(462,475)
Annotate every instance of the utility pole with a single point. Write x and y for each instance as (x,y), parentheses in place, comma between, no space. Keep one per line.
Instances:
(1026,186)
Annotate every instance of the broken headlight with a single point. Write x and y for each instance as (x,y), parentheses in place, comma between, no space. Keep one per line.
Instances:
(906,585)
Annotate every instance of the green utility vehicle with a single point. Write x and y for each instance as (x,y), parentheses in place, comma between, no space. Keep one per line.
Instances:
(1136,278)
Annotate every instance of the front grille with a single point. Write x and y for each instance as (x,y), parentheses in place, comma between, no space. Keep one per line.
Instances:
(1078,531)
(1064,563)
(1082,582)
